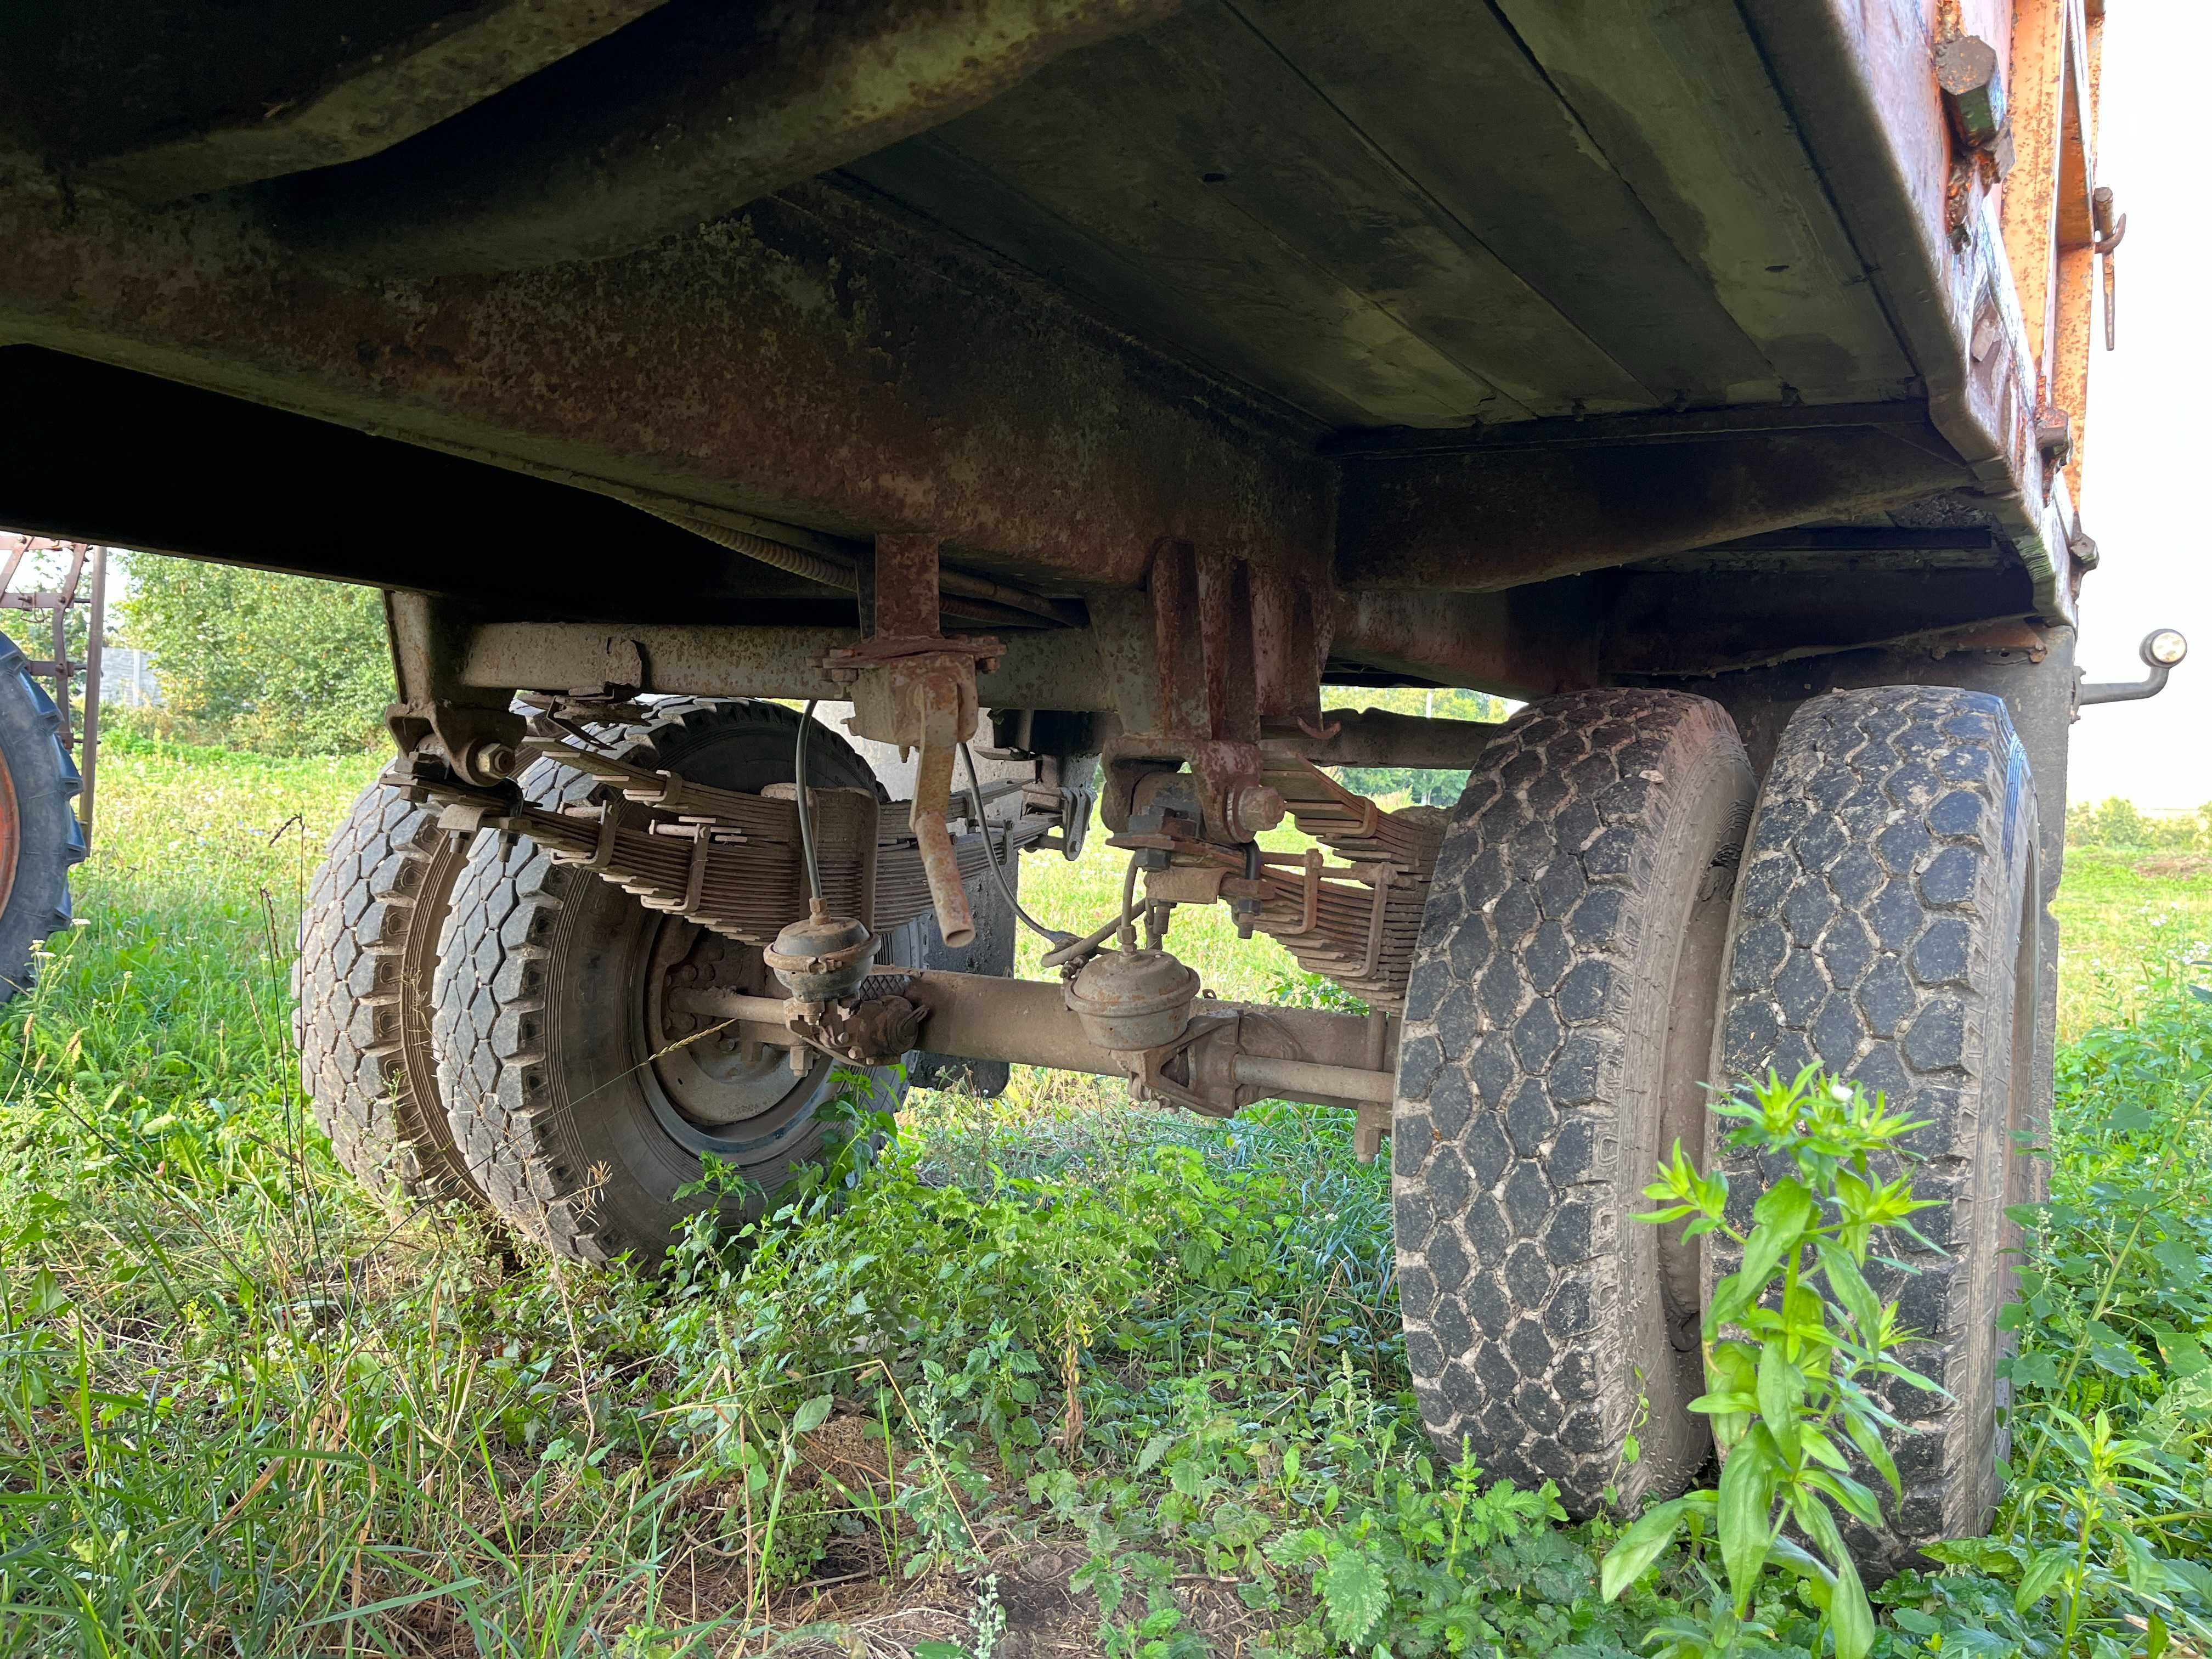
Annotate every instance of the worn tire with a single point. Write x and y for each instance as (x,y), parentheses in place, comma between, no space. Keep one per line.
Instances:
(554,1096)
(1558,1026)
(369,944)
(1885,929)
(39,836)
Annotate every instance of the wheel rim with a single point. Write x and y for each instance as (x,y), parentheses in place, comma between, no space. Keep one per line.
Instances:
(705,1076)
(707,1099)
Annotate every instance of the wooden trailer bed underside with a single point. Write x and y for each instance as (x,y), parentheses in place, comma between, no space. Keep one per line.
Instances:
(1534,343)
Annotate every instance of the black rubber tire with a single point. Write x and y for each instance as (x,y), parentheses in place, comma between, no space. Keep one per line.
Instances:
(1886,927)
(539,1059)
(43,783)
(369,943)
(1558,1026)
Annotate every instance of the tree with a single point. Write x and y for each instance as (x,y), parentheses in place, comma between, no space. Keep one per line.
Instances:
(285,665)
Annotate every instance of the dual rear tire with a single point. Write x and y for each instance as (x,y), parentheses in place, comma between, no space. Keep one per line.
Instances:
(1615,923)
(477,1022)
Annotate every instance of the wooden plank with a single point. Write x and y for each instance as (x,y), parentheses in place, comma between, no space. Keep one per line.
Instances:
(1195,185)
(1305,177)
(959,192)
(1238,339)
(1094,155)
(1680,100)
(1447,93)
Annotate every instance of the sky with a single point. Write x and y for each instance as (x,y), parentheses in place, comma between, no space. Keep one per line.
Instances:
(2148,464)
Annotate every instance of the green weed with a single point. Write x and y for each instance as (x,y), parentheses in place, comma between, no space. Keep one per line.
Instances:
(245,1410)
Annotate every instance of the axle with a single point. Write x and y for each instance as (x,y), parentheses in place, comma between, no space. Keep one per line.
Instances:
(1289,1054)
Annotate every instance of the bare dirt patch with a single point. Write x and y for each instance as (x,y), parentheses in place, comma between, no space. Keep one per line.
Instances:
(2175,866)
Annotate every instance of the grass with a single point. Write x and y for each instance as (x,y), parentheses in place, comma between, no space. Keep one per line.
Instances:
(1101,1377)
(2119,909)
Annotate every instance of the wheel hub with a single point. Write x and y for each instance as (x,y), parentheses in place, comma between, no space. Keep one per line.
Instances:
(714,1077)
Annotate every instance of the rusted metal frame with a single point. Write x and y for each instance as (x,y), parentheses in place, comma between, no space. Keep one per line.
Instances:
(388,89)
(731,102)
(906,582)
(1218,646)
(2030,213)
(64,670)
(914,687)
(2077,172)
(1058,669)
(1375,736)
(1864,103)
(728,369)
(1474,521)
(2051,231)
(2091,272)
(1524,642)
(1208,481)
(470,728)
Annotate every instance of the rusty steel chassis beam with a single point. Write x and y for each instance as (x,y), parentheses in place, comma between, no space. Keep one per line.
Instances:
(823,360)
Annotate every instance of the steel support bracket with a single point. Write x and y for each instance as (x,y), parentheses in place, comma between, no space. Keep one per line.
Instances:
(914,687)
(473,730)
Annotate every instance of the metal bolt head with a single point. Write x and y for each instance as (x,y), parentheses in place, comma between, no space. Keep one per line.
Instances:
(496,760)
(2164,647)
(1255,808)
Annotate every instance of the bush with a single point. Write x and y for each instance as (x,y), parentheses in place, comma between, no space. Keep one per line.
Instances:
(2122,824)
(249,660)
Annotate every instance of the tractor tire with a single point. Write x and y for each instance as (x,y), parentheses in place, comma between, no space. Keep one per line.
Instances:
(579,1108)
(1885,929)
(1558,1027)
(368,951)
(39,836)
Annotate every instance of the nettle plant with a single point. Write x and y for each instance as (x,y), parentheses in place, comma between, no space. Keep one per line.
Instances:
(1795,1340)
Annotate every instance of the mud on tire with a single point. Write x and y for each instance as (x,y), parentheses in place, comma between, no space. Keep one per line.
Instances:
(1556,1032)
(1885,929)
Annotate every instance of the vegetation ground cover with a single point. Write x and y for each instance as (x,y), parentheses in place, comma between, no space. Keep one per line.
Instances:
(1058,1374)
